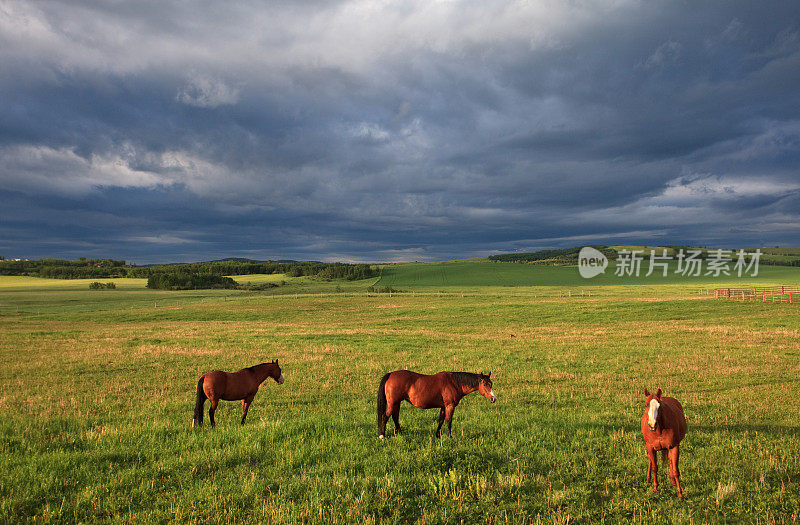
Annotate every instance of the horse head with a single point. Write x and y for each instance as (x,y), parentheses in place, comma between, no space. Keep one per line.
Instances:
(485,387)
(277,375)
(652,405)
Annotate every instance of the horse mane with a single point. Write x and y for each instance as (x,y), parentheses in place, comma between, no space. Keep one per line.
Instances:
(253,368)
(466,378)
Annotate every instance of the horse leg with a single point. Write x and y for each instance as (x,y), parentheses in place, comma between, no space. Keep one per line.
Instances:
(448,414)
(396,416)
(383,419)
(666,461)
(674,471)
(441,420)
(651,457)
(212,409)
(245,405)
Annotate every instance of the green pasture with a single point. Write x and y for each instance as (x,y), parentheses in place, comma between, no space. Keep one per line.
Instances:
(97,390)
(482,273)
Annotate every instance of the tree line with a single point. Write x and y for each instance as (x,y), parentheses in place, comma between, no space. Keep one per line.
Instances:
(569,256)
(189,281)
(83,268)
(552,257)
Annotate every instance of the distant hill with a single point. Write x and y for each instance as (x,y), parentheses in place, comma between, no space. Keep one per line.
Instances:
(246,260)
(560,257)
(569,256)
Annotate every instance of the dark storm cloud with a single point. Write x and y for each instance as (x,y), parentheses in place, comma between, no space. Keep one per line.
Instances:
(357,131)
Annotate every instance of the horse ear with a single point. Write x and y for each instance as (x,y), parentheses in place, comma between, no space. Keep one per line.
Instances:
(646,392)
(658,394)
(276,361)
(489,374)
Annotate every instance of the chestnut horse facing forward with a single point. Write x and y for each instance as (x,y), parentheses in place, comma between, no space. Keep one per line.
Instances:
(663,428)
(216,385)
(443,391)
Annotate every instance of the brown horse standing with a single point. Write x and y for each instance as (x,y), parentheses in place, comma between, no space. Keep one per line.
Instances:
(663,428)
(216,385)
(443,391)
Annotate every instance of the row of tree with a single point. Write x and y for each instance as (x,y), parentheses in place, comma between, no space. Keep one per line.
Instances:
(568,256)
(108,268)
(81,268)
(102,286)
(189,281)
(553,257)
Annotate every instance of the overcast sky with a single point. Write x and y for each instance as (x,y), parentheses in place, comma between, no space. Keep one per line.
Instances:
(381,131)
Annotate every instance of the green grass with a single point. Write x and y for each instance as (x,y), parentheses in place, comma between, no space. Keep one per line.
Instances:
(97,391)
(472,274)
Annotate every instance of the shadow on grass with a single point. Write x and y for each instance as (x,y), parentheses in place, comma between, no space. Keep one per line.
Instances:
(742,428)
(739,428)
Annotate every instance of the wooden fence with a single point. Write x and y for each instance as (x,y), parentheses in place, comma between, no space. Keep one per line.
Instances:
(771,294)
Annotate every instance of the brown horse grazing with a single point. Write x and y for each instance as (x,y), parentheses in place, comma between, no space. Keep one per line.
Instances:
(216,385)
(443,391)
(663,428)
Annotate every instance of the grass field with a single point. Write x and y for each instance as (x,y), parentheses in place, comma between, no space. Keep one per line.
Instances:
(481,273)
(97,390)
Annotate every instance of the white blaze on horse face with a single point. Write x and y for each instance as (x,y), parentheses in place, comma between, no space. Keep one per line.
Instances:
(281,380)
(652,413)
(494,397)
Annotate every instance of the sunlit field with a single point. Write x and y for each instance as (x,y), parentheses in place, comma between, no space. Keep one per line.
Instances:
(478,274)
(97,392)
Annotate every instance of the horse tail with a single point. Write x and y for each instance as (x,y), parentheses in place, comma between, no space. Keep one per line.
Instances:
(198,405)
(382,402)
